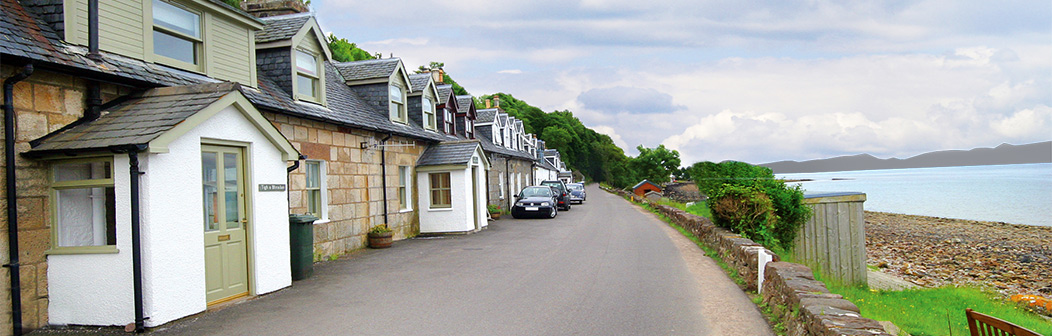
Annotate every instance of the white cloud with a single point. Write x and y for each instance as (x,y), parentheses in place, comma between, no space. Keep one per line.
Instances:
(510,72)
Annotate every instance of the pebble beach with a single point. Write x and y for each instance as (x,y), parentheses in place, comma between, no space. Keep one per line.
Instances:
(931,252)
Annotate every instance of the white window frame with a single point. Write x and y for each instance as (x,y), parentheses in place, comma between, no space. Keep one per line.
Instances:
(397,106)
(428,108)
(469,128)
(316,77)
(55,203)
(322,188)
(500,185)
(405,187)
(449,121)
(198,41)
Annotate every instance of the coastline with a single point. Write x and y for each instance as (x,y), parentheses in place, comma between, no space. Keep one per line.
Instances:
(932,251)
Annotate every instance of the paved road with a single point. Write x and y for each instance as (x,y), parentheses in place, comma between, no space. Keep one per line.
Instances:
(603,268)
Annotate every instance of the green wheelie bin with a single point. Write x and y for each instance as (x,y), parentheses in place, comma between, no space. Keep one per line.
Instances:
(301,242)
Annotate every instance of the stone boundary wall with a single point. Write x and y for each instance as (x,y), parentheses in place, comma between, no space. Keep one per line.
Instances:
(790,290)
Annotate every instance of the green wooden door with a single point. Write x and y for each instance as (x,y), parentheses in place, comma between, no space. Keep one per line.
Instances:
(226,252)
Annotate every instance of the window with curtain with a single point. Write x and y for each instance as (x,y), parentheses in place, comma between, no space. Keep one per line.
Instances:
(83,204)
(440,190)
(176,34)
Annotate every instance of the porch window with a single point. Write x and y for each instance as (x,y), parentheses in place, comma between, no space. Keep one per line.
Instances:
(429,113)
(397,104)
(440,190)
(177,35)
(403,187)
(83,207)
(315,189)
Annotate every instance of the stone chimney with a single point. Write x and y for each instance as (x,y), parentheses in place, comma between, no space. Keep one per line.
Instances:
(488,102)
(496,101)
(265,8)
(438,75)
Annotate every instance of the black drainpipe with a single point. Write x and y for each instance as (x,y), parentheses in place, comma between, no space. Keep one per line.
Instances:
(507,180)
(12,196)
(383,173)
(93,30)
(133,170)
(288,176)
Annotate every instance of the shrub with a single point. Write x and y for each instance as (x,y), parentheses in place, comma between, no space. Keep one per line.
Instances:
(745,210)
(788,202)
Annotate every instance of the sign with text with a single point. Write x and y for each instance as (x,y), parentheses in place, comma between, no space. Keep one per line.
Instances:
(271,187)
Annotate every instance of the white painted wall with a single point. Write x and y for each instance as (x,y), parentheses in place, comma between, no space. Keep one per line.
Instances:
(96,289)
(444,219)
(459,218)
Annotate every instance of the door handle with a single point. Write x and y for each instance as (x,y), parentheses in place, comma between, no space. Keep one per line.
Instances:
(244,220)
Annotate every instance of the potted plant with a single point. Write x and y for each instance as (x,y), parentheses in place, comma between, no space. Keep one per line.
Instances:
(494,211)
(380,236)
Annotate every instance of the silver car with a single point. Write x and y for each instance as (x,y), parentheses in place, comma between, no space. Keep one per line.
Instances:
(577,192)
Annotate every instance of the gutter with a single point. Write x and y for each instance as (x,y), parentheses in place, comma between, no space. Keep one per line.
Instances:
(12,196)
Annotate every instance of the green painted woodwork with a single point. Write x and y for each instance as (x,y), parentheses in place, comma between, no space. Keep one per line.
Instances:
(226,251)
(126,28)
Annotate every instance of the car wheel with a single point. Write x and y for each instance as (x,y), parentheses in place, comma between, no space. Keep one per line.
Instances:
(568,206)
(553,213)
(515,215)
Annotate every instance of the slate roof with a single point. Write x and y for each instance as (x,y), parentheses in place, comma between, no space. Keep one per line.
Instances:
(419,81)
(23,36)
(368,69)
(546,165)
(465,102)
(485,115)
(489,147)
(136,120)
(352,110)
(282,27)
(551,152)
(444,91)
(449,152)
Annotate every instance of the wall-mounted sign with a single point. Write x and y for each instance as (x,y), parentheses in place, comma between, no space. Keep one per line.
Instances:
(271,187)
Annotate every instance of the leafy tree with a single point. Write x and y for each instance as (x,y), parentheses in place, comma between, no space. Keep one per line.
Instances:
(344,51)
(433,65)
(657,164)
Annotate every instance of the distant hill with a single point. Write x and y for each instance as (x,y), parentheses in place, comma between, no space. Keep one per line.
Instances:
(1040,152)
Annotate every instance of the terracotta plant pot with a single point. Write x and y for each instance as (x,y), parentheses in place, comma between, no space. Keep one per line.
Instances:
(494,215)
(381,240)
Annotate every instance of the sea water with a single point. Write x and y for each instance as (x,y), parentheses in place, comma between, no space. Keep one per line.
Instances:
(1018,194)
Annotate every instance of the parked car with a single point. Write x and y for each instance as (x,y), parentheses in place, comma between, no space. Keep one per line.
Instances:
(535,201)
(564,193)
(577,193)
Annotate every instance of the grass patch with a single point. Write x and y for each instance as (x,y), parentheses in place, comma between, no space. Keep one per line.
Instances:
(700,209)
(938,311)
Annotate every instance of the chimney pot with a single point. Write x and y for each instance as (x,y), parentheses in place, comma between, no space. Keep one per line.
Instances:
(496,101)
(488,103)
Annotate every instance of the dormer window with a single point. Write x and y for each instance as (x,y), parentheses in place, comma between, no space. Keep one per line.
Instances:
(469,128)
(429,113)
(307,76)
(397,104)
(177,35)
(449,122)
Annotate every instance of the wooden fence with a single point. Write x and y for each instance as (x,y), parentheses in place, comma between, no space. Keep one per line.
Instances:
(833,241)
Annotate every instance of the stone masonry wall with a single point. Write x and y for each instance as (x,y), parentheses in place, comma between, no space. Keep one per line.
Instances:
(44,102)
(803,303)
(353,182)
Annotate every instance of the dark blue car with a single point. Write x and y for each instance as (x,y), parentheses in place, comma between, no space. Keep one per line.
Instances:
(539,201)
(577,193)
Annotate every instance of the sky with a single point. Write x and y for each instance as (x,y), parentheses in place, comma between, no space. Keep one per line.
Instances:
(753,81)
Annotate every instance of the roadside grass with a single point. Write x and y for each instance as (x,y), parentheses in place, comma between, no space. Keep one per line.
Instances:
(938,311)
(930,311)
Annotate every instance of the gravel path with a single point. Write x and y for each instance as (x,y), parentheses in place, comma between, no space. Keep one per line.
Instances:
(931,252)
